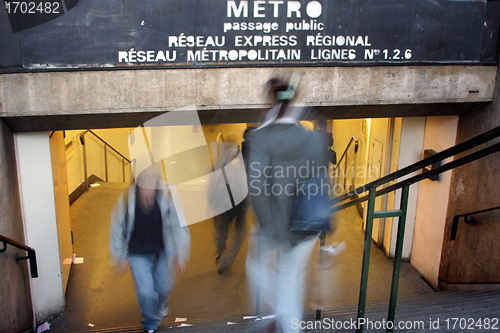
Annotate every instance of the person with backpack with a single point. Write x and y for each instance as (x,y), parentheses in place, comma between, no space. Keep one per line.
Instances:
(282,155)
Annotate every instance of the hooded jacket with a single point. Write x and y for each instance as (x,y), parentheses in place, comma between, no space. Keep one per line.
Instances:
(176,237)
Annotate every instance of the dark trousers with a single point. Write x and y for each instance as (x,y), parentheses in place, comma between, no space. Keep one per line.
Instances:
(222,222)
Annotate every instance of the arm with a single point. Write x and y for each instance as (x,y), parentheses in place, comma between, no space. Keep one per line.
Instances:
(259,184)
(177,233)
(117,239)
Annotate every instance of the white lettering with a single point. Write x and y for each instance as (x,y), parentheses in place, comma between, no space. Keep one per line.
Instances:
(160,56)
(132,54)
(150,56)
(141,56)
(258,8)
(231,8)
(293,7)
(172,41)
(276,6)
(193,56)
(122,56)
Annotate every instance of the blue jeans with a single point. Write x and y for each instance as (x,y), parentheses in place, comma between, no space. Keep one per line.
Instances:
(152,285)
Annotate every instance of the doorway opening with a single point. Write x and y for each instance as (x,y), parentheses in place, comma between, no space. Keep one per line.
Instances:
(96,295)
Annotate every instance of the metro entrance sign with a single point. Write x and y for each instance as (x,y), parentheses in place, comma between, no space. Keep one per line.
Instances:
(207,33)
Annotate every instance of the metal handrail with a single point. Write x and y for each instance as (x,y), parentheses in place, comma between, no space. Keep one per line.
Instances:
(82,140)
(356,147)
(456,218)
(443,168)
(457,149)
(31,253)
(344,154)
(337,204)
(107,144)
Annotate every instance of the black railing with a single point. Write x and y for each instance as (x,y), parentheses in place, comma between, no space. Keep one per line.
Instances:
(124,159)
(342,202)
(441,156)
(356,147)
(31,253)
(338,166)
(456,219)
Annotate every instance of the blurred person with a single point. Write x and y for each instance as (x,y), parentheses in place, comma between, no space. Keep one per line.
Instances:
(225,256)
(282,155)
(327,136)
(330,156)
(245,147)
(148,236)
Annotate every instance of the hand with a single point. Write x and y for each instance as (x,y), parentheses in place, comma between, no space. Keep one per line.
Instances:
(181,268)
(121,268)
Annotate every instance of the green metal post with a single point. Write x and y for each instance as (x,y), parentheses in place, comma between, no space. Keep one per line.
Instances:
(366,257)
(398,255)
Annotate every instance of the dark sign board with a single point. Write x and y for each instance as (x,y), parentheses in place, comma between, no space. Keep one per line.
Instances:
(204,33)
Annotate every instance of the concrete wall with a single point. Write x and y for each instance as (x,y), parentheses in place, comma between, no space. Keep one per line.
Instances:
(432,204)
(473,256)
(16,314)
(231,95)
(34,168)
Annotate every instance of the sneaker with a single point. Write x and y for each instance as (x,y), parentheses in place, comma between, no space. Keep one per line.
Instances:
(150,331)
(163,311)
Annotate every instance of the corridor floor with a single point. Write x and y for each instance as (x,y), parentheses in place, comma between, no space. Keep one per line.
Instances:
(97,298)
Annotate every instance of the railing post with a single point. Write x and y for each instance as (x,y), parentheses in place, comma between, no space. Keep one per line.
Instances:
(106,161)
(33,265)
(398,255)
(123,169)
(366,257)
(85,162)
(345,169)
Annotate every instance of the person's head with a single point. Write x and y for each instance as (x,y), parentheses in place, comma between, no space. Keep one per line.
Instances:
(322,125)
(275,85)
(147,183)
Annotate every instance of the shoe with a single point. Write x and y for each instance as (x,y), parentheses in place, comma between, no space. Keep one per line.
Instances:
(268,328)
(163,311)
(332,251)
(222,269)
(150,331)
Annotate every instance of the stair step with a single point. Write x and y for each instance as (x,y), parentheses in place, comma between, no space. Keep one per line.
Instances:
(422,308)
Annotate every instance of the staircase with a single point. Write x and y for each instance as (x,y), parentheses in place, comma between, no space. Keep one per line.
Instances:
(415,313)
(442,306)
